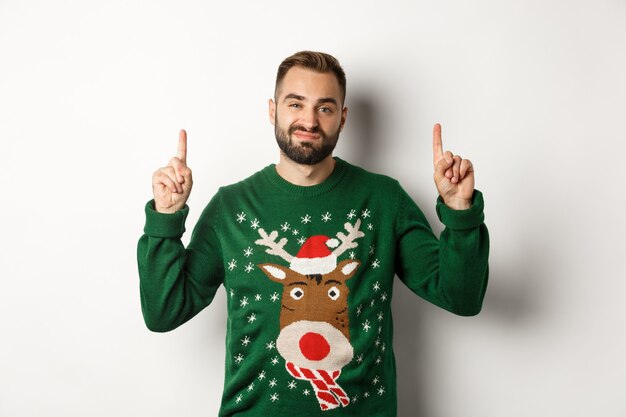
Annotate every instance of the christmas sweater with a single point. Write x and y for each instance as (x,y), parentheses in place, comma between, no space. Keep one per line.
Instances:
(308,273)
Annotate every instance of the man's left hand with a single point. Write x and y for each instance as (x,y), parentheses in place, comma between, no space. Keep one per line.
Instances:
(454,176)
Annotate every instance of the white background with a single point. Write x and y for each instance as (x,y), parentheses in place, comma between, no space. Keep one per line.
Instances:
(92,95)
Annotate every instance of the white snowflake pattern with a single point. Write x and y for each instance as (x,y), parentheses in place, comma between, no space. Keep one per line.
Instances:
(359,309)
(376,286)
(376,380)
(365,213)
(273,383)
(381,391)
(372,248)
(351,214)
(285,226)
(274,297)
(355,398)
(238,358)
(249,268)
(241,217)
(306,392)
(247,252)
(301,240)
(377,341)
(359,358)
(262,375)
(383,348)
(252,318)
(326,217)
(380,329)
(274,360)
(244,302)
(380,316)
(295,232)
(257,297)
(232,293)
(366,394)
(367,326)
(372,302)
(271,345)
(292,385)
(378,360)
(274,397)
(232,265)
(370,226)
(255,224)
(251,386)
(352,255)
(375,263)
(383,297)
(238,399)
(245,341)
(306,219)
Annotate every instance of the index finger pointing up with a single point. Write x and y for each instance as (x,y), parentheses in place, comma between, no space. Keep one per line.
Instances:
(182,146)
(437,144)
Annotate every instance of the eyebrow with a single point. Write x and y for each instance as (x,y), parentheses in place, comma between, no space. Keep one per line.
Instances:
(302,98)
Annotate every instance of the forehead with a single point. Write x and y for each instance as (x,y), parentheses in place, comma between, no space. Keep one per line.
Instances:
(309,84)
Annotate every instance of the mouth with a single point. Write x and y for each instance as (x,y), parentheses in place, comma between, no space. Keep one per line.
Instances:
(306,136)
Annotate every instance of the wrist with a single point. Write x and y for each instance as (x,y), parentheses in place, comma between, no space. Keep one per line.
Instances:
(166,210)
(458,204)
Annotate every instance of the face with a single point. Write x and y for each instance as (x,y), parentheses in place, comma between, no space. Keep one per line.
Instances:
(307,115)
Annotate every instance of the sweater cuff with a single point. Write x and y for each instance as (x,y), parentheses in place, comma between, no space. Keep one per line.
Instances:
(462,219)
(164,225)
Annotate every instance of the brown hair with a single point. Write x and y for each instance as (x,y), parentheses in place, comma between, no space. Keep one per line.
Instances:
(316,61)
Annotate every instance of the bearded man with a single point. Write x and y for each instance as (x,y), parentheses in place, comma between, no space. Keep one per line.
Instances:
(307,250)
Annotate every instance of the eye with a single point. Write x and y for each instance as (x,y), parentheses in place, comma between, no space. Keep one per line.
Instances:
(295,105)
(296,293)
(333,293)
(326,110)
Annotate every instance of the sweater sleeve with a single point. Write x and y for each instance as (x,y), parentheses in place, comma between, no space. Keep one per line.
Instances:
(452,271)
(176,283)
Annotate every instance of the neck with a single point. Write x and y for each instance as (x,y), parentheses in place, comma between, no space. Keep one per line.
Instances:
(305,175)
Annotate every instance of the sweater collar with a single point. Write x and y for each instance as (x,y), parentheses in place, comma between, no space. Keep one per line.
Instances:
(307,191)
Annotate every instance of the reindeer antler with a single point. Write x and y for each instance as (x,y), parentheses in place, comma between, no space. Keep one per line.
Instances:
(275,248)
(348,242)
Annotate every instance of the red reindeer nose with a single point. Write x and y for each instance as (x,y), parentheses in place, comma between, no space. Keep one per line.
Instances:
(314,346)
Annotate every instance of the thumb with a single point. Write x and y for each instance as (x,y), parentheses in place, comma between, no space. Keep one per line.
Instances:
(441,167)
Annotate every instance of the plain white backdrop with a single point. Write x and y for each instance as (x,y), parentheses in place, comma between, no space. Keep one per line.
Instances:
(93,94)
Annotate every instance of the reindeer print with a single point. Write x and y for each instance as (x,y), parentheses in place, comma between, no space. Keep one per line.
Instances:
(314,336)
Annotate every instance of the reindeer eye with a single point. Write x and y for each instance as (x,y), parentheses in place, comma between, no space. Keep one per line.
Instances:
(333,293)
(296,293)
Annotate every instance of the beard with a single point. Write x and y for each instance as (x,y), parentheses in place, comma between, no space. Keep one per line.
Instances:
(306,153)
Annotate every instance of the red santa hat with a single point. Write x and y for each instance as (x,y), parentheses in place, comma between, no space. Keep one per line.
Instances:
(315,256)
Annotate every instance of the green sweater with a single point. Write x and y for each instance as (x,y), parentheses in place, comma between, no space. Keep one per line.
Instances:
(308,273)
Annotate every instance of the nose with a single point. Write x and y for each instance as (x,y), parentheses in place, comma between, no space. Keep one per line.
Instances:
(309,119)
(314,346)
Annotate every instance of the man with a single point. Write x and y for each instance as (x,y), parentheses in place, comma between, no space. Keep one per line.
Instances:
(307,251)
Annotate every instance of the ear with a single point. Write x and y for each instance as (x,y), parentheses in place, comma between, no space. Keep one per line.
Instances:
(272,110)
(347,268)
(344,114)
(277,273)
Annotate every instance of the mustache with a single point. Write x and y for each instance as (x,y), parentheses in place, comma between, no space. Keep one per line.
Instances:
(295,128)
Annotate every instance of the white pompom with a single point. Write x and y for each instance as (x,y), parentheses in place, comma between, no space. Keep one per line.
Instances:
(332,243)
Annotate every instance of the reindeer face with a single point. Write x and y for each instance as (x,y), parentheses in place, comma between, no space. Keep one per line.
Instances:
(314,316)
(314,297)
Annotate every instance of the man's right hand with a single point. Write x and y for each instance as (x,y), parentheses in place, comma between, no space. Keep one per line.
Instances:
(171,184)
